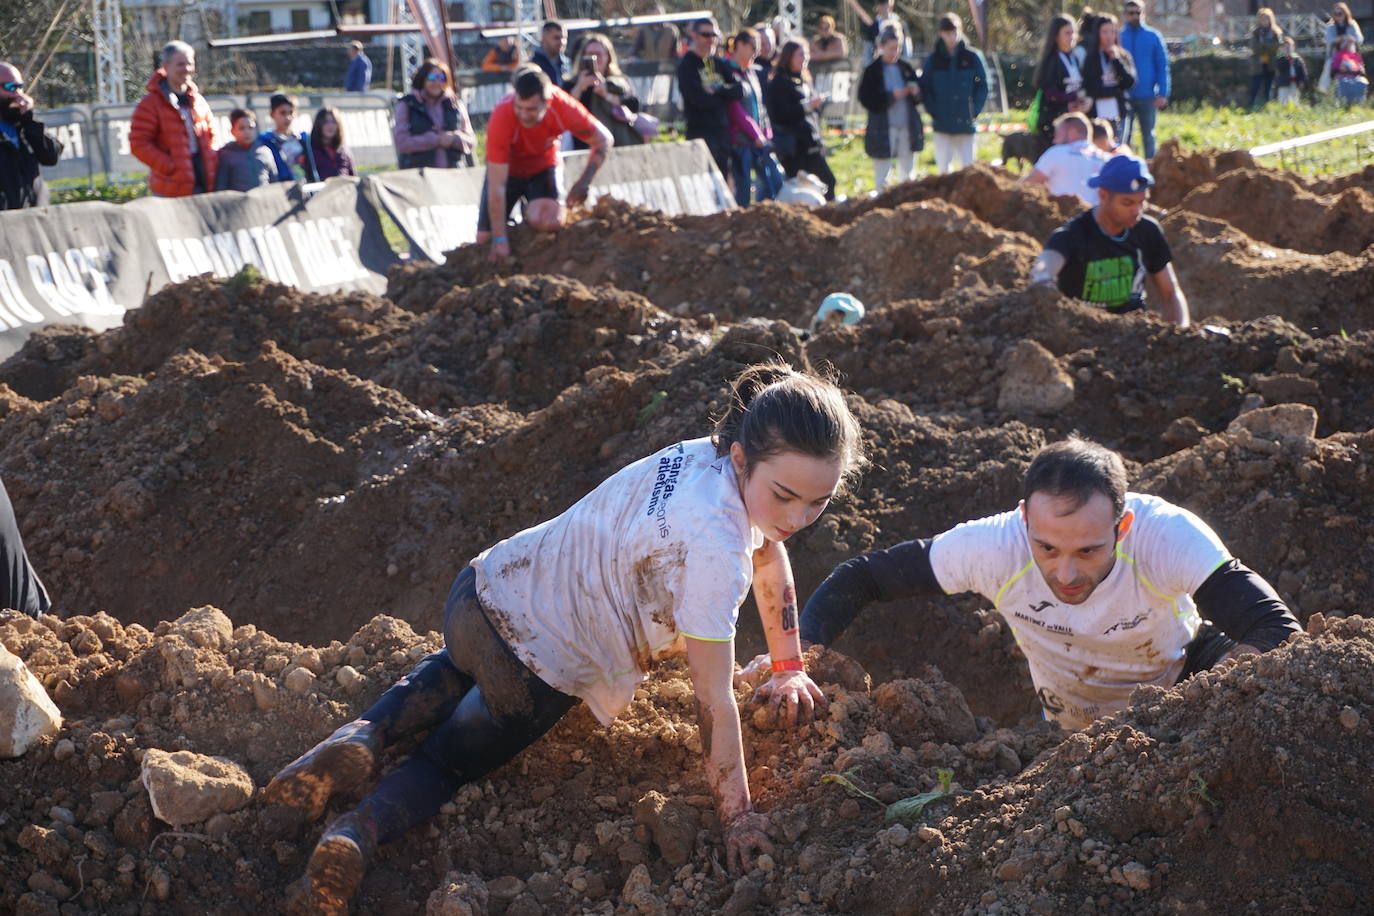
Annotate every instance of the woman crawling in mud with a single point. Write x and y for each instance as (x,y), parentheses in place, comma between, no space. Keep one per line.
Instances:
(653,562)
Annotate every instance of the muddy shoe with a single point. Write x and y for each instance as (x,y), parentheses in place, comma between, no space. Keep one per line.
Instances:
(339,763)
(336,868)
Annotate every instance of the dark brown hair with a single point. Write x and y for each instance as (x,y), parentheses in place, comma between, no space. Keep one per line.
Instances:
(1077,469)
(775,408)
(417,82)
(317,135)
(1051,46)
(531,81)
(782,62)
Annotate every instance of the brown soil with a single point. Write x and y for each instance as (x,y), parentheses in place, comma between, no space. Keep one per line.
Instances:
(320,467)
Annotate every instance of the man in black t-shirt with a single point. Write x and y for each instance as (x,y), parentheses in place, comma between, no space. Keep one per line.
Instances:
(1106,255)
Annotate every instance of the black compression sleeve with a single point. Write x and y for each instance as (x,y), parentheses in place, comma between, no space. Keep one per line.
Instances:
(1245,607)
(903,571)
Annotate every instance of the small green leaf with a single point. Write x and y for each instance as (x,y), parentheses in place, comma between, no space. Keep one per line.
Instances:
(646,413)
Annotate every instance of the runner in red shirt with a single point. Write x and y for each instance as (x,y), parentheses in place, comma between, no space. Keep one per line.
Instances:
(522,157)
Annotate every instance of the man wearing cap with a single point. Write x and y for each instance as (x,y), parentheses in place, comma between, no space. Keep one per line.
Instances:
(359,75)
(1106,255)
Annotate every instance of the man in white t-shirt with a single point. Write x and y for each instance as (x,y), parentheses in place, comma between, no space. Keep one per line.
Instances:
(1066,167)
(1103,589)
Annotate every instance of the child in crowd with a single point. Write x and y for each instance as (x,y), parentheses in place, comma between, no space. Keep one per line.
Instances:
(327,146)
(244,163)
(1290,73)
(1347,70)
(291,152)
(1104,138)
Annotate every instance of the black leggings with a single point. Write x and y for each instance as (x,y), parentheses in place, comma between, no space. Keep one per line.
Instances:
(1205,650)
(815,164)
(488,705)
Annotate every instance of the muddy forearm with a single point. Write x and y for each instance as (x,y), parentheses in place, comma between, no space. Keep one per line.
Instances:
(723,755)
(775,593)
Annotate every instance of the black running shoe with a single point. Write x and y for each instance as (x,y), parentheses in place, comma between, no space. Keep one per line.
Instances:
(339,763)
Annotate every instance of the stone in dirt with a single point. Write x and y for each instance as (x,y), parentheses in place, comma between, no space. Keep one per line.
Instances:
(1033,381)
(459,894)
(1283,421)
(27,714)
(187,788)
(639,892)
(672,823)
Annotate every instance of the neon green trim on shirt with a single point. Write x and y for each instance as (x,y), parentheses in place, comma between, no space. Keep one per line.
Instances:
(707,638)
(1002,592)
(1171,599)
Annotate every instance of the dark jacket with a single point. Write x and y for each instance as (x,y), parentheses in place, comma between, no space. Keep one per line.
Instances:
(269,140)
(1124,68)
(1264,47)
(873,95)
(1290,71)
(242,169)
(622,132)
(21,181)
(705,112)
(1056,95)
(359,74)
(954,88)
(421,123)
(796,131)
(332,162)
(555,70)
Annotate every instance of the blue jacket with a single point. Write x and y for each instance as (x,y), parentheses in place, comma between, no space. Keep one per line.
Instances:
(359,74)
(954,88)
(1151,61)
(269,140)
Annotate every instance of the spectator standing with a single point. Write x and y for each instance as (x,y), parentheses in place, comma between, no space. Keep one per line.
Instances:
(1347,69)
(432,129)
(522,158)
(828,43)
(658,41)
(1059,77)
(768,47)
(954,89)
(358,77)
(1290,73)
(889,91)
(173,130)
(290,151)
(327,145)
(1341,25)
(1106,255)
(873,26)
(707,85)
(549,55)
(20,587)
(1265,40)
(1069,165)
(503,56)
(1108,73)
(793,107)
(244,163)
(24,145)
(1152,77)
(604,91)
(751,132)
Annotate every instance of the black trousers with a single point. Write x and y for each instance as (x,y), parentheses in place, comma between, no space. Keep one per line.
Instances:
(815,164)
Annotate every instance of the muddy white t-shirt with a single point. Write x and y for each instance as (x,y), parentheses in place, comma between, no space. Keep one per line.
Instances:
(660,550)
(1085,659)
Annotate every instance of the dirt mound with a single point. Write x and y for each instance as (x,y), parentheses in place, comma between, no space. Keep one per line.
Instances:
(1228,274)
(1177,172)
(1241,789)
(993,195)
(1274,207)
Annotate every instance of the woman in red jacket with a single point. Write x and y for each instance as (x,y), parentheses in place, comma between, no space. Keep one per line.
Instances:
(173,130)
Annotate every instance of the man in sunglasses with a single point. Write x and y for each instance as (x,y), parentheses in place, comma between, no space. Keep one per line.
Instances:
(708,84)
(1150,92)
(24,145)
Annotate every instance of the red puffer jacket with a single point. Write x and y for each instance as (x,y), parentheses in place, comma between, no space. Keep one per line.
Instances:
(158,138)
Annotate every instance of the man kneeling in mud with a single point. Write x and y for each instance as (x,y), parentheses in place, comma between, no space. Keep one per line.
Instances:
(1103,589)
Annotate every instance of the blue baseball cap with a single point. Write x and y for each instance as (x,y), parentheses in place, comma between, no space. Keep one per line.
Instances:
(840,307)
(1124,175)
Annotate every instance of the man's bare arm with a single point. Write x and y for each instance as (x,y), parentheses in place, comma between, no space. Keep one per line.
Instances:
(600,147)
(1172,302)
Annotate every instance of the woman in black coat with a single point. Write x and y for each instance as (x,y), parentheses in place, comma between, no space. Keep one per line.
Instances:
(1108,71)
(1059,77)
(793,105)
(889,91)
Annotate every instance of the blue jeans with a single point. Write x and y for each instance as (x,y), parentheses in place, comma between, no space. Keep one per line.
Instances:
(748,163)
(1261,87)
(1141,110)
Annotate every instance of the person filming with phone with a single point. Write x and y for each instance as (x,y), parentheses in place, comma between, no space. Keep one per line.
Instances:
(794,106)
(603,89)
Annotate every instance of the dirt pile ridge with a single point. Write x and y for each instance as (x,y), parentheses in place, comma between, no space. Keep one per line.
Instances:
(1178,171)
(320,467)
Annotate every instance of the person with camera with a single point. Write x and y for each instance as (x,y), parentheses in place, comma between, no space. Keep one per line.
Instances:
(604,90)
(707,84)
(24,145)
(889,91)
(794,106)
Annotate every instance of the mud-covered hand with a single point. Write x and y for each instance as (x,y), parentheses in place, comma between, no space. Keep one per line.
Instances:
(793,696)
(744,835)
(756,672)
(577,195)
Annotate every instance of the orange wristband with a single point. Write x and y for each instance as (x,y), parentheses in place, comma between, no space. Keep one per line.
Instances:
(788,664)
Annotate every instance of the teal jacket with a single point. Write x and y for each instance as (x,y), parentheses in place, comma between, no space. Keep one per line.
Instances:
(954,88)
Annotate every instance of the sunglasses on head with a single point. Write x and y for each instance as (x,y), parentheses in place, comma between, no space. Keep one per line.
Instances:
(11,86)
(437,77)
